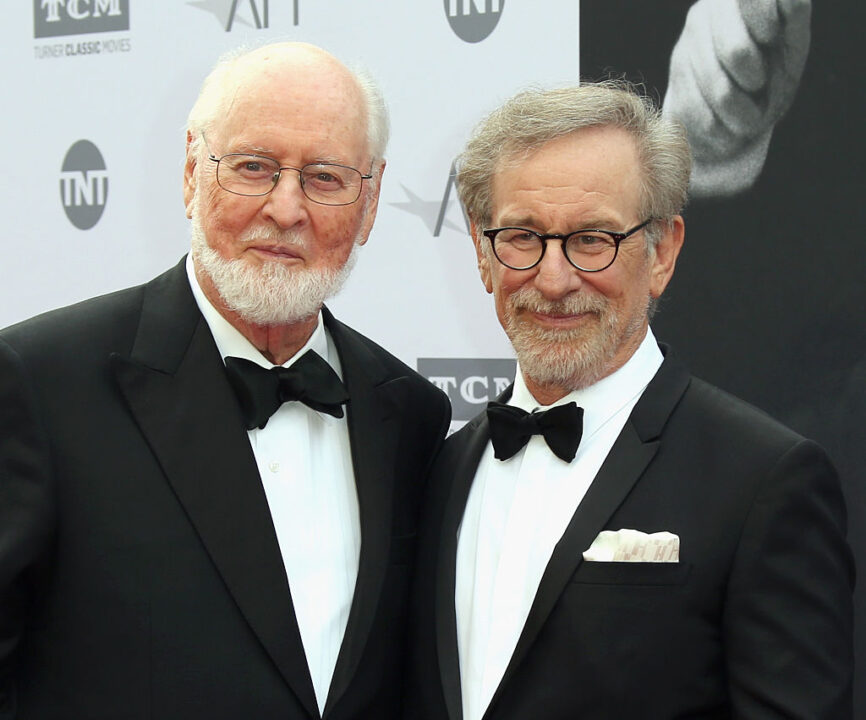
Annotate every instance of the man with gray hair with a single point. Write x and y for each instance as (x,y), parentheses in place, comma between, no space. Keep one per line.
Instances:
(614,538)
(209,486)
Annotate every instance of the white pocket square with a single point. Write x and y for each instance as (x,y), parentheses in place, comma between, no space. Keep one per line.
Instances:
(634,546)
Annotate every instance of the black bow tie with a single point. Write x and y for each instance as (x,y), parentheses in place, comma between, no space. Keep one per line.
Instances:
(261,392)
(511,428)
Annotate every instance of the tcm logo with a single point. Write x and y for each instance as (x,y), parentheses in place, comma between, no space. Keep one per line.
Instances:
(473,20)
(252,13)
(469,382)
(83,184)
(52,18)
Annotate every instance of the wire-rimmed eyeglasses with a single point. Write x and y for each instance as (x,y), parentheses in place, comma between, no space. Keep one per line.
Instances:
(256,175)
(589,249)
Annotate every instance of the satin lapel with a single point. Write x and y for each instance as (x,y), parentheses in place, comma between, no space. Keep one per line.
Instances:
(373,415)
(175,385)
(633,450)
(464,450)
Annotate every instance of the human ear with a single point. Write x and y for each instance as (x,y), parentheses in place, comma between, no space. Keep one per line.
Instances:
(371,204)
(483,260)
(189,175)
(664,258)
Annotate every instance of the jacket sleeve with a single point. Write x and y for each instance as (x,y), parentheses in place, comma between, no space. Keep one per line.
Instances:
(788,620)
(26,510)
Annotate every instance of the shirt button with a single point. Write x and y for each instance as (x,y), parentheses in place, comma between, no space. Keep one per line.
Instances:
(274,467)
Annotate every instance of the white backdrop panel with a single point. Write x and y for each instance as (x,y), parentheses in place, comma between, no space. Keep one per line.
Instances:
(416,293)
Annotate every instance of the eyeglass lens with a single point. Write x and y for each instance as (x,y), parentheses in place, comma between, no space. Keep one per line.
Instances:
(588,249)
(256,175)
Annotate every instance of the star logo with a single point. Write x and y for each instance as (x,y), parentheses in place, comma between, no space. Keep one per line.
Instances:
(433,212)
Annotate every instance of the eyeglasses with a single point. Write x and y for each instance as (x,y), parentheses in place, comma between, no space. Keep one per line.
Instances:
(255,175)
(589,250)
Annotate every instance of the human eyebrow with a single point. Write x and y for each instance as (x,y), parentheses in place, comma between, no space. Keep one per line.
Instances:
(524,221)
(330,160)
(597,224)
(249,149)
(530,223)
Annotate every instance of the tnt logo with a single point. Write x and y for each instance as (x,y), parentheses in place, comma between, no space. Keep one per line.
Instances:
(469,382)
(473,20)
(84,184)
(52,18)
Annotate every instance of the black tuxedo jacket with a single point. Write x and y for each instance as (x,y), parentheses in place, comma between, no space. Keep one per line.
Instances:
(753,622)
(140,575)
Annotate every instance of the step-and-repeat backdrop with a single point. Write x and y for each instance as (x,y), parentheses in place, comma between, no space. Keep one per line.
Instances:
(768,300)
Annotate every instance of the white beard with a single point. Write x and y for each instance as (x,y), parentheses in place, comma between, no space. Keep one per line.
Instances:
(271,293)
(575,358)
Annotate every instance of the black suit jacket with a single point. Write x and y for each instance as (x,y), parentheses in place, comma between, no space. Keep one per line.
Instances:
(140,575)
(753,622)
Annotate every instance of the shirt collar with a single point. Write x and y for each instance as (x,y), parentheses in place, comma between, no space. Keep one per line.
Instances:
(230,341)
(604,399)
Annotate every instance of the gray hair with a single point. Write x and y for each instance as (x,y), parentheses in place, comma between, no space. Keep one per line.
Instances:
(211,101)
(536,116)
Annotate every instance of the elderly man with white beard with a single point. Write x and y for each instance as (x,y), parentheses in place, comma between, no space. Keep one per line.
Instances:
(614,538)
(209,486)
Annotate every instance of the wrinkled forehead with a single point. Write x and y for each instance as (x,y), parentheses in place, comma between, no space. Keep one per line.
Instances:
(311,95)
(596,166)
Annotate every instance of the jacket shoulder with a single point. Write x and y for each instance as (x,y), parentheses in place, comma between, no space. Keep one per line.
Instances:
(391,365)
(717,411)
(106,321)
(66,329)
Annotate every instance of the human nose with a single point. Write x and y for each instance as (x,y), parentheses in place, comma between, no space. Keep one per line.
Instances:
(286,204)
(556,276)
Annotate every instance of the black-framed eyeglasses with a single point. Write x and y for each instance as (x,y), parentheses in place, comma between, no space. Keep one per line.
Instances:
(590,250)
(256,175)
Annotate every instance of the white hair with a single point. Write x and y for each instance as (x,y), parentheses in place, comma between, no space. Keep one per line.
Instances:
(210,105)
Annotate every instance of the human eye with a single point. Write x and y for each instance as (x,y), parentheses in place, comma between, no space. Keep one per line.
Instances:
(519,238)
(589,241)
(325,177)
(252,167)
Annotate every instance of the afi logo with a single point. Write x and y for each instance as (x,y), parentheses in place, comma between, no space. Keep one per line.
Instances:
(52,18)
(83,184)
(473,20)
(433,212)
(470,383)
(446,200)
(261,21)
(253,13)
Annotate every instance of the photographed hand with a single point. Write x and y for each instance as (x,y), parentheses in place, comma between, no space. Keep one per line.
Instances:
(733,74)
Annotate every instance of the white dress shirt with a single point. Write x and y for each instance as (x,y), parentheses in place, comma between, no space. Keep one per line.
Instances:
(305,463)
(516,513)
